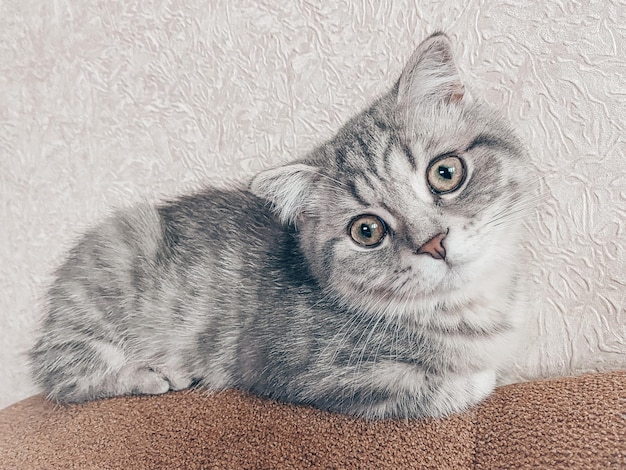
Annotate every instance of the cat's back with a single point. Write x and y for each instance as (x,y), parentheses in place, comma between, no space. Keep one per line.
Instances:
(217,220)
(148,256)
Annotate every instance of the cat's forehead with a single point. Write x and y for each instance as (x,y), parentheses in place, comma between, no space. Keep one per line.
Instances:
(430,132)
(421,134)
(399,185)
(380,158)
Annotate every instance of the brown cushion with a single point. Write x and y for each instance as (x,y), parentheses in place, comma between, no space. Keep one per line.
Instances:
(566,423)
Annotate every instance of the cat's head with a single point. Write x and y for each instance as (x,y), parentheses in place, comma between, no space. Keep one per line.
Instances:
(417,197)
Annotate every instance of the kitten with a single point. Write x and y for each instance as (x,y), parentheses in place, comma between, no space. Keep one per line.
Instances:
(378,276)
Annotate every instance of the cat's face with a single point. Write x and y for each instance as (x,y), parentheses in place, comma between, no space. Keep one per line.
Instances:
(415,198)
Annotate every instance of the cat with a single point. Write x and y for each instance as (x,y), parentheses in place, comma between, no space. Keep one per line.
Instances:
(379,276)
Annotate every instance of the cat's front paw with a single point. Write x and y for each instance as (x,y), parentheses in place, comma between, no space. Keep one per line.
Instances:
(458,393)
(144,380)
(140,380)
(483,384)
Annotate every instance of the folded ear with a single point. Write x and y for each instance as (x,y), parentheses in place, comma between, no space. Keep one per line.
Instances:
(287,188)
(430,74)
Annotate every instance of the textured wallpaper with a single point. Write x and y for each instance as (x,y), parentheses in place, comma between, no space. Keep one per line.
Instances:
(107,103)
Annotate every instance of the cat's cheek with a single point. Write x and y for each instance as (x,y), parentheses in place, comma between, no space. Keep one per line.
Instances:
(469,255)
(462,246)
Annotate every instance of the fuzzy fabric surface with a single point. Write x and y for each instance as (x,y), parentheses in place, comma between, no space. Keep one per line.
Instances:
(569,423)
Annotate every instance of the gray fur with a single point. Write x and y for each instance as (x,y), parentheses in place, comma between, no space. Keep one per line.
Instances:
(263,289)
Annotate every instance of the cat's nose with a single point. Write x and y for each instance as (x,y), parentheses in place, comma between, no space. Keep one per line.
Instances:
(434,247)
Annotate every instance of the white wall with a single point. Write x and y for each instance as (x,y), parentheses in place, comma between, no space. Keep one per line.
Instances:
(104,103)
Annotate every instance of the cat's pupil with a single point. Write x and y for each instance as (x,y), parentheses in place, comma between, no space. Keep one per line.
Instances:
(367,229)
(446,172)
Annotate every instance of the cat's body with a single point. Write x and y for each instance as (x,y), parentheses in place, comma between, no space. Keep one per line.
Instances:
(353,280)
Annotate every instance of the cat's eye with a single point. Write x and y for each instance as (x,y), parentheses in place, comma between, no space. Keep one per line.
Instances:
(367,230)
(446,174)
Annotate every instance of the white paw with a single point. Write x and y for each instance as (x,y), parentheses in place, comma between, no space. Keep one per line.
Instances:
(149,382)
(177,380)
(140,379)
(460,392)
(484,382)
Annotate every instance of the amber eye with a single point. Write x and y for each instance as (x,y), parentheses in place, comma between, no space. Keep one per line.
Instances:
(367,230)
(446,174)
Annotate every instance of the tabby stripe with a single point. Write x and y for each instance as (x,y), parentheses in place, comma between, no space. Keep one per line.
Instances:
(364,147)
(365,150)
(470,331)
(409,155)
(386,155)
(355,193)
(340,158)
(383,126)
(486,140)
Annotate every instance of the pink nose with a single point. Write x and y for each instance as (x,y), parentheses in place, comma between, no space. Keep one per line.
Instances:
(434,247)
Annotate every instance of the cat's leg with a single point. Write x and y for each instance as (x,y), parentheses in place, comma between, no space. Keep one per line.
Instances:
(76,371)
(73,369)
(435,397)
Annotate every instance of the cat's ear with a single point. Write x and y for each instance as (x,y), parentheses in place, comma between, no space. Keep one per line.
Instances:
(287,188)
(430,75)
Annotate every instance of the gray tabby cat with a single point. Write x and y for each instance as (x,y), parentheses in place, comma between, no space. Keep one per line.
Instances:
(377,276)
